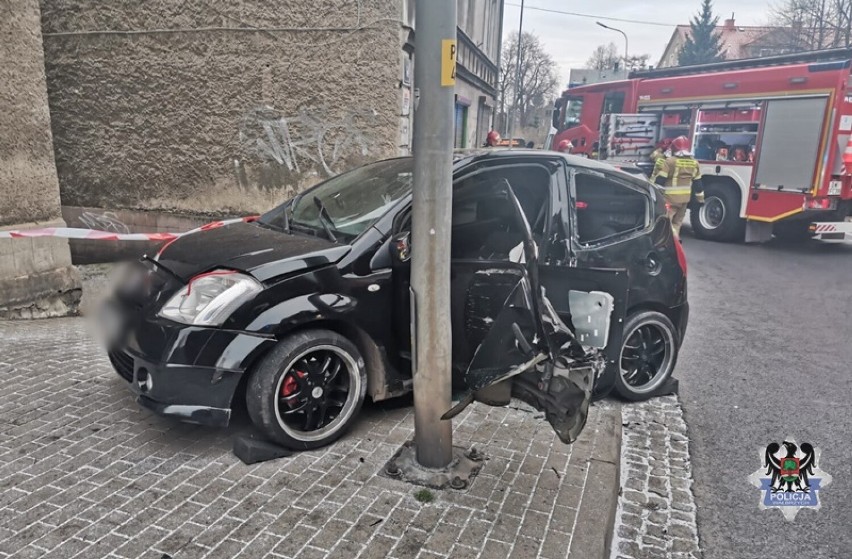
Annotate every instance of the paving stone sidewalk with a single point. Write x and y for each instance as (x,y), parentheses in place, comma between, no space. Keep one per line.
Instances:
(656,511)
(84,472)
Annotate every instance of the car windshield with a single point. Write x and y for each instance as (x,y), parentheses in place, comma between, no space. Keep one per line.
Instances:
(353,201)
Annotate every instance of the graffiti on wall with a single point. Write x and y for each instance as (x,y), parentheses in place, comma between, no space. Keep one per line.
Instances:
(103,221)
(310,140)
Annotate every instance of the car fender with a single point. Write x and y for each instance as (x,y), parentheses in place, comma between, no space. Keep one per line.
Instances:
(300,310)
(335,311)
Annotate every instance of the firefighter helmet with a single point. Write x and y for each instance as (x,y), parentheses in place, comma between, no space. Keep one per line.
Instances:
(493,138)
(664,144)
(681,144)
(565,146)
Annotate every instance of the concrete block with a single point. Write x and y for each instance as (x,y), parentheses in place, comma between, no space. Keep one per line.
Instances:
(7,265)
(24,258)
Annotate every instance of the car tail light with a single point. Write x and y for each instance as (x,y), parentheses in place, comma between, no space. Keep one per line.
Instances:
(681,256)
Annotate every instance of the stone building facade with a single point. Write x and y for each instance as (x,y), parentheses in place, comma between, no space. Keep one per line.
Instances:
(480,23)
(36,276)
(210,106)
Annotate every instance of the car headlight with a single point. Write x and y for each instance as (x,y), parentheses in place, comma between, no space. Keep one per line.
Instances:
(208,299)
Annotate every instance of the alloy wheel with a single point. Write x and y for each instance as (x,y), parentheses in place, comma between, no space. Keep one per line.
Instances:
(646,356)
(317,393)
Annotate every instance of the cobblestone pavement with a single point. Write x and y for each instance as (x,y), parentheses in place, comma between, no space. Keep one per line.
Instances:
(85,472)
(656,509)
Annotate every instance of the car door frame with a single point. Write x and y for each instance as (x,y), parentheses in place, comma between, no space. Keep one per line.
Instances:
(615,280)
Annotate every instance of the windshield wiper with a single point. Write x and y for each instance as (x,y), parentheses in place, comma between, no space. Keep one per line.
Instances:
(323,215)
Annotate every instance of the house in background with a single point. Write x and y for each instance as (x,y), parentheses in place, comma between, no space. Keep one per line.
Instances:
(737,42)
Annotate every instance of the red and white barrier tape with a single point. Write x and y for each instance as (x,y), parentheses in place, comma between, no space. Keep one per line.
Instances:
(96,235)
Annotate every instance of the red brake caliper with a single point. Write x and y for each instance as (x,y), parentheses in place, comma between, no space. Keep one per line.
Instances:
(291,386)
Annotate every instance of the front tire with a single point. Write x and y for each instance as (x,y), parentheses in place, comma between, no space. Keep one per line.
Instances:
(648,355)
(718,218)
(308,390)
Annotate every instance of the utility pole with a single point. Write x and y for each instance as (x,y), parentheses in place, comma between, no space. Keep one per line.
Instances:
(434,80)
(517,78)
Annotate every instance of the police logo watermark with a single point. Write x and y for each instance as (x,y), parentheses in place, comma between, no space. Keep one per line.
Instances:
(790,479)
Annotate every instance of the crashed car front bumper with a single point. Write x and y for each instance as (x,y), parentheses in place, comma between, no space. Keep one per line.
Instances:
(193,394)
(186,372)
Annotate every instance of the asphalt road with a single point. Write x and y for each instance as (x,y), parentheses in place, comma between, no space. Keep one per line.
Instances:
(768,355)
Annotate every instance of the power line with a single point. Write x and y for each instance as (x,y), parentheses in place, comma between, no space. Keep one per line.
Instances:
(591,16)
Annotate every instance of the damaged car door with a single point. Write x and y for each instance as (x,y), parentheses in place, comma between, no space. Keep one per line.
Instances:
(508,339)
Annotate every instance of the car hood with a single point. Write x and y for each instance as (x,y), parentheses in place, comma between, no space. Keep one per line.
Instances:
(248,247)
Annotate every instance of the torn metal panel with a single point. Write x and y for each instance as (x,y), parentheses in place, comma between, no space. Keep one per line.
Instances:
(591,312)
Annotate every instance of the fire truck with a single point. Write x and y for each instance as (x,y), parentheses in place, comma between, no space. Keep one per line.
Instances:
(773,136)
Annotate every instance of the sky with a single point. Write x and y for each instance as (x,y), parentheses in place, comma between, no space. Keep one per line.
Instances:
(570,40)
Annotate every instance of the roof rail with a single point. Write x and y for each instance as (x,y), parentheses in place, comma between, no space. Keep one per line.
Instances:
(744,63)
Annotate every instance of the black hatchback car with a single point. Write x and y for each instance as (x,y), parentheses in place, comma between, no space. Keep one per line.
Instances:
(566,280)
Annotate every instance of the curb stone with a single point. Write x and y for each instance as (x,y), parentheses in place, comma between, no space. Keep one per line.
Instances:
(596,514)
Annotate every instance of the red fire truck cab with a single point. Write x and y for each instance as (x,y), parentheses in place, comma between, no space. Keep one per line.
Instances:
(770,135)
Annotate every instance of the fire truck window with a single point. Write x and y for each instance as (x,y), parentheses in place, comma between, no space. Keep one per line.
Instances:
(607,209)
(573,110)
(613,102)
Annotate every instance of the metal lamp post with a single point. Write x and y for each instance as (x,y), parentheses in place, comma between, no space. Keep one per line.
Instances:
(517,79)
(626,59)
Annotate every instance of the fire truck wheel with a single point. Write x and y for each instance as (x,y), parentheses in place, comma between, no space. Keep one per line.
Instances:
(718,218)
(648,355)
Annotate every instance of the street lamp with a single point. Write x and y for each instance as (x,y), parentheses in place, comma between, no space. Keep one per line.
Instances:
(625,41)
(517,79)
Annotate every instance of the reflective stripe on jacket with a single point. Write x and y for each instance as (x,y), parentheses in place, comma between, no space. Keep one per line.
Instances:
(679,173)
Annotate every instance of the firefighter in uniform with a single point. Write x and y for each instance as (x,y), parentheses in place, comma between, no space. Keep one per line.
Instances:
(679,176)
(661,150)
(492,139)
(565,146)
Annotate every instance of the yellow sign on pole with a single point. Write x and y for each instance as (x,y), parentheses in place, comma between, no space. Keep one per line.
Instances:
(448,62)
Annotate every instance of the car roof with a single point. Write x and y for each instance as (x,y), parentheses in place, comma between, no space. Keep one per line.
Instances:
(466,156)
(463,157)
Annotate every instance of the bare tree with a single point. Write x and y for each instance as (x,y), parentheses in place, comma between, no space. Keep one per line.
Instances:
(813,24)
(638,62)
(538,78)
(604,57)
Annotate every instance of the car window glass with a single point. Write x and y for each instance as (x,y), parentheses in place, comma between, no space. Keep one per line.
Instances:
(485,225)
(354,200)
(607,209)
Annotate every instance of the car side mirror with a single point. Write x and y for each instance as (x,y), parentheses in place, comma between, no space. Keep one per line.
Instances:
(400,247)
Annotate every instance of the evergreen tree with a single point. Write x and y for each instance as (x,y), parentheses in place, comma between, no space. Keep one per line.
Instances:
(703,44)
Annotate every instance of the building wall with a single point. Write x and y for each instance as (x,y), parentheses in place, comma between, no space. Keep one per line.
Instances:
(670,56)
(217,106)
(480,26)
(481,20)
(35,274)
